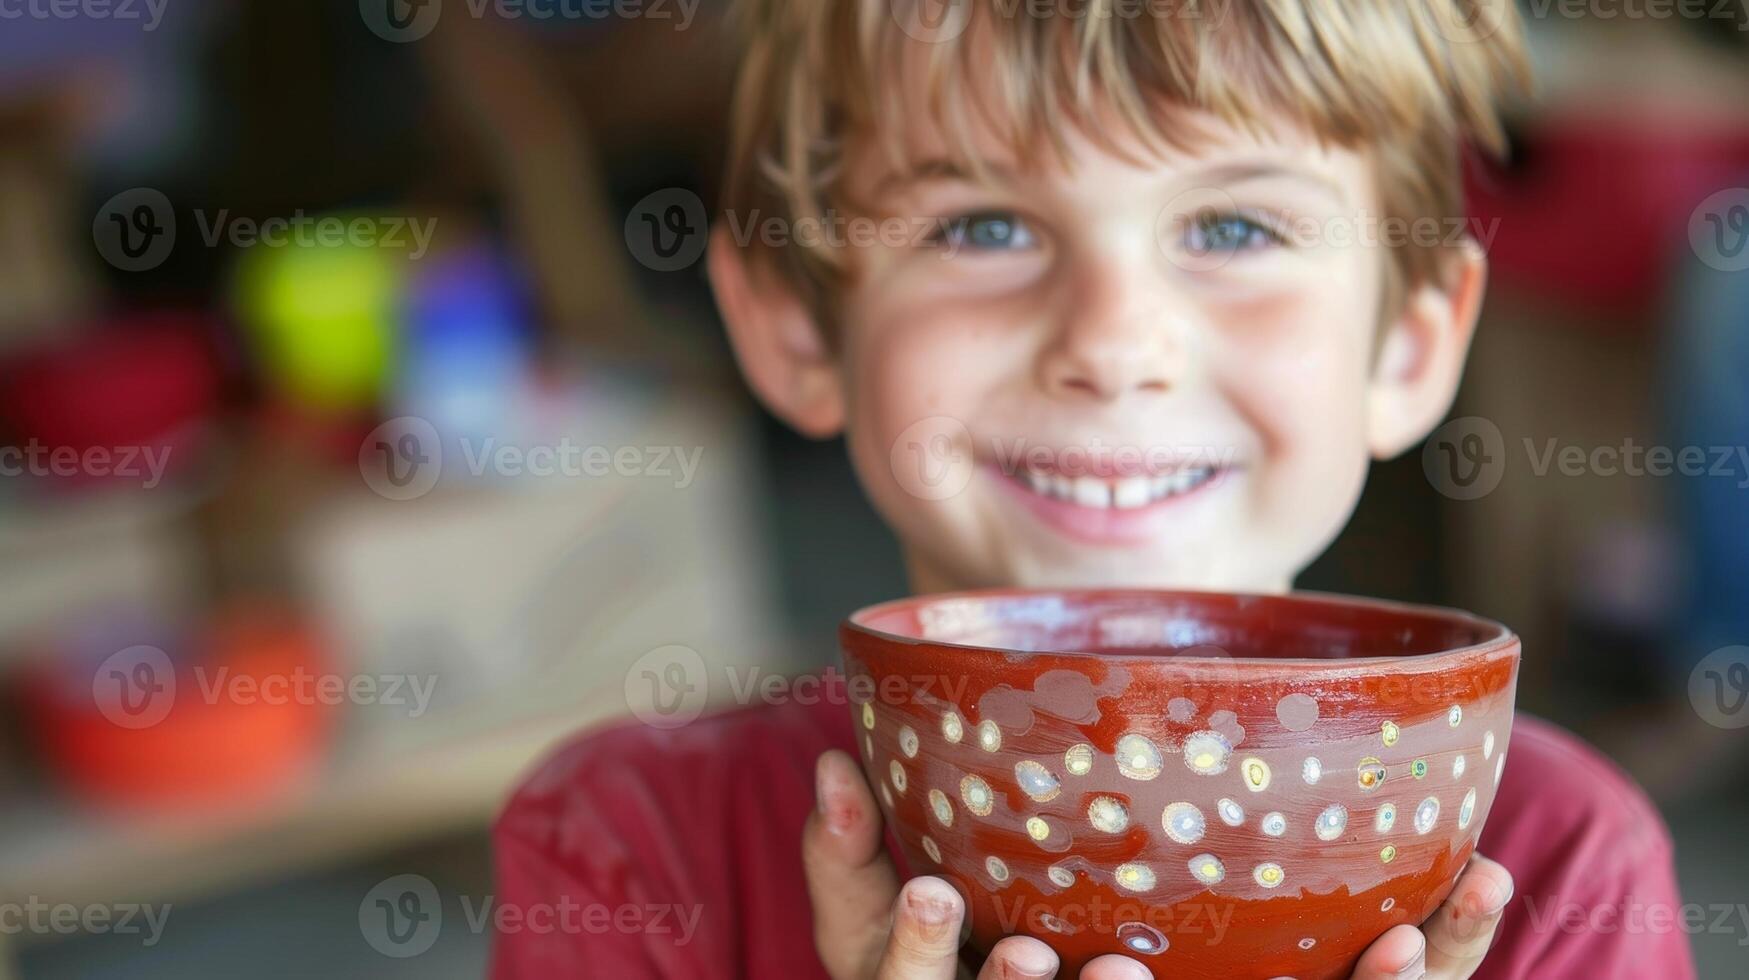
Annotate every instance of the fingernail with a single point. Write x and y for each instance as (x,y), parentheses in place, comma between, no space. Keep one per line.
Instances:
(927,911)
(1416,963)
(1029,961)
(820,786)
(1497,902)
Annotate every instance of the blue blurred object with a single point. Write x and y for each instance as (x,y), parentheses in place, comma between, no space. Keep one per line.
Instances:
(1707,394)
(465,366)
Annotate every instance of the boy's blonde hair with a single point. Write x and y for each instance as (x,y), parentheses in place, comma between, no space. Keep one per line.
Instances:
(1408,82)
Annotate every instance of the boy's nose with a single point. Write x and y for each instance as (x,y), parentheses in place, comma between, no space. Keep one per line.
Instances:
(1106,351)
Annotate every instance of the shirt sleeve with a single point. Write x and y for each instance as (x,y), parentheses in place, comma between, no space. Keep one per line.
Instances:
(1595,893)
(642,854)
(590,881)
(581,941)
(1620,917)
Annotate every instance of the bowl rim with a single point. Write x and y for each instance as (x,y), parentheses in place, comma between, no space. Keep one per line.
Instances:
(1497,636)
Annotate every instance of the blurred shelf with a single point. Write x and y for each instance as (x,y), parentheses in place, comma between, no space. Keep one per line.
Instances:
(373,801)
(59,557)
(531,604)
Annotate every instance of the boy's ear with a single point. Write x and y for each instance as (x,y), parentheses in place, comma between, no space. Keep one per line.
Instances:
(776,342)
(1421,355)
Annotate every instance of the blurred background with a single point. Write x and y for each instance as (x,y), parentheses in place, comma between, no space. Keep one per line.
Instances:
(365,419)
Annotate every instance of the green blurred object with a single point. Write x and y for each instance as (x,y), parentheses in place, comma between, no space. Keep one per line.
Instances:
(323,320)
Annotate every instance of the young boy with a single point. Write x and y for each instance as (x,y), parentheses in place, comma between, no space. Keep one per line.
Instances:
(1041,234)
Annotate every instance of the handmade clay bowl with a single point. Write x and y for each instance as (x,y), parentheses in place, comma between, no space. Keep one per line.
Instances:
(1215,785)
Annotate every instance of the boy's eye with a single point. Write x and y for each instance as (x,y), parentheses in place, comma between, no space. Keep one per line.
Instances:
(989,231)
(1213,232)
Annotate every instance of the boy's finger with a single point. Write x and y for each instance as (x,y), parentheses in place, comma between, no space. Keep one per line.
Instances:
(1114,967)
(1460,933)
(850,880)
(1017,957)
(1400,952)
(925,941)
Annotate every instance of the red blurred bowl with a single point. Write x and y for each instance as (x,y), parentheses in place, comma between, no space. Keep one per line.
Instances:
(189,750)
(1215,785)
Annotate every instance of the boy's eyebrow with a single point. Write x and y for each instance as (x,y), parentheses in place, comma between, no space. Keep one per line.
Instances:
(1234,173)
(938,168)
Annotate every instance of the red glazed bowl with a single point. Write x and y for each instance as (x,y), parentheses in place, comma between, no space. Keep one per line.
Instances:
(1215,785)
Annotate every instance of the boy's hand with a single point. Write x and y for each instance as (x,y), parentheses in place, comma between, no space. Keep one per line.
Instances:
(1449,946)
(867,928)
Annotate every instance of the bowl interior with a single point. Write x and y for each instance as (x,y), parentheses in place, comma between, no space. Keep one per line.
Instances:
(1187,624)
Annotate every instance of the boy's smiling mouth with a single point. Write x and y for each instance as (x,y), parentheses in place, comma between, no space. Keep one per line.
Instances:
(1116,492)
(1111,509)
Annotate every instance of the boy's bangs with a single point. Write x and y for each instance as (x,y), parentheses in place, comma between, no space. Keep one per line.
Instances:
(824,82)
(1120,72)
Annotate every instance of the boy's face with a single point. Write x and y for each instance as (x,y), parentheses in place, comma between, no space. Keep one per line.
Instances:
(1168,370)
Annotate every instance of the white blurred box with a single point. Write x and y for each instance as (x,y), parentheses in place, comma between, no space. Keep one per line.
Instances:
(527,595)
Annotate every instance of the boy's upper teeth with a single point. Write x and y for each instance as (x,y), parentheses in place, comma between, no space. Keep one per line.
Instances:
(1121,492)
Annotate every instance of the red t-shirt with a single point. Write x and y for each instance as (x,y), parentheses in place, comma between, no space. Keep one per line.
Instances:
(676,854)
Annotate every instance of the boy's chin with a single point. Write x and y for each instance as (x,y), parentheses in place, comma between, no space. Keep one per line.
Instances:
(1103,570)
